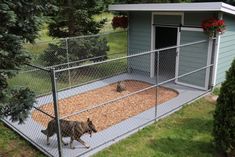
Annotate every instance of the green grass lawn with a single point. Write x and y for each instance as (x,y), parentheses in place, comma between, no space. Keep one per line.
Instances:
(118,44)
(186,133)
(108,16)
(216,91)
(39,83)
(12,145)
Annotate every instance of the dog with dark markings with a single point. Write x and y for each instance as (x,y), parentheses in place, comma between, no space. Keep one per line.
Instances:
(72,129)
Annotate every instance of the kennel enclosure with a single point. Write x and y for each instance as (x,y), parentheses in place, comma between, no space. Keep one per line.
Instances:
(168,56)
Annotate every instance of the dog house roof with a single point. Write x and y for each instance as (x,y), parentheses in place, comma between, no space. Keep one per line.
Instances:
(209,6)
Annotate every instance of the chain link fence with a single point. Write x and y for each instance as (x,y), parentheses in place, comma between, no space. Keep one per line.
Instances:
(73,51)
(70,52)
(39,80)
(112,97)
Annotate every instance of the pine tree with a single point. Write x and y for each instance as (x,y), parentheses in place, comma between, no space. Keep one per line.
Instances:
(75,17)
(19,22)
(224,117)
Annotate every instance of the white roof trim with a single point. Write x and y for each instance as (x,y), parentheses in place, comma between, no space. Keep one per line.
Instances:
(228,8)
(210,6)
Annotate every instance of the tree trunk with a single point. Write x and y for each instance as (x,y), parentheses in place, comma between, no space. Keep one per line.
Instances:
(71,22)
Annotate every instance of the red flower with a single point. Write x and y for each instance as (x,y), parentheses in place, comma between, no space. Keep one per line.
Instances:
(213,25)
(220,22)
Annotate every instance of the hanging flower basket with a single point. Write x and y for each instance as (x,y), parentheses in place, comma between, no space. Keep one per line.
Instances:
(120,22)
(212,26)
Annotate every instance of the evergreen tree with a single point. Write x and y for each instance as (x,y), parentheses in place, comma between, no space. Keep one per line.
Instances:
(74,18)
(224,117)
(20,21)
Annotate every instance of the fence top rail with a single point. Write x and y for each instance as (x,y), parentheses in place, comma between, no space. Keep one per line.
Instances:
(133,55)
(38,67)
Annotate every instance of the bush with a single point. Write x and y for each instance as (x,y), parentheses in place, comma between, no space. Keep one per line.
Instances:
(54,55)
(224,117)
(81,48)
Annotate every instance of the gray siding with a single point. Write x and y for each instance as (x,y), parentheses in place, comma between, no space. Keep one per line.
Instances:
(167,19)
(227,48)
(192,58)
(139,40)
(196,18)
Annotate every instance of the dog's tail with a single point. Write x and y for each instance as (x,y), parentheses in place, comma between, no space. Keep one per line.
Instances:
(44,132)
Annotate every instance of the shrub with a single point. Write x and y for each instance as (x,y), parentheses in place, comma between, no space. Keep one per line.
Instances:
(224,117)
(53,55)
(81,48)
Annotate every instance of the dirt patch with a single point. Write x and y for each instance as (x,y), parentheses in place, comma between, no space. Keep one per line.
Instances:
(110,114)
(211,98)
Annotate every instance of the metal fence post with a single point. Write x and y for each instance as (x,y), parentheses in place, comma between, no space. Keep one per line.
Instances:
(56,111)
(67,56)
(157,82)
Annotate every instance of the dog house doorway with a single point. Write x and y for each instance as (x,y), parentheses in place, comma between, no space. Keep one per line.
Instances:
(166,37)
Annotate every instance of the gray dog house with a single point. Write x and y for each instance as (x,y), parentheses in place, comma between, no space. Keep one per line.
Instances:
(154,26)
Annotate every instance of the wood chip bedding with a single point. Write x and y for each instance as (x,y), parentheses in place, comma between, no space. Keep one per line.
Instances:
(110,114)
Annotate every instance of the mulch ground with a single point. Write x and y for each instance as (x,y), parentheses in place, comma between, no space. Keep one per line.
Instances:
(112,113)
